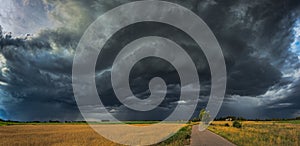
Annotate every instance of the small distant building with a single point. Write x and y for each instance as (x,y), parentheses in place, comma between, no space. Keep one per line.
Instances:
(228,119)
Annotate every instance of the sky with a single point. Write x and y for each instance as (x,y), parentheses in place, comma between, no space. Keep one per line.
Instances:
(260,40)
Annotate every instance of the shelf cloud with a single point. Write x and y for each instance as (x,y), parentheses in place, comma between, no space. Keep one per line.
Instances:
(260,40)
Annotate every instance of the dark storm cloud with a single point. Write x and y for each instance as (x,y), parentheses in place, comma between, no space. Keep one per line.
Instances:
(290,104)
(38,80)
(255,37)
(252,77)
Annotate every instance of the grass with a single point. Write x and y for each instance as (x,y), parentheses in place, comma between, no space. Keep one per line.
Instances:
(2,123)
(291,122)
(12,133)
(5,123)
(259,133)
(182,137)
(37,123)
(252,133)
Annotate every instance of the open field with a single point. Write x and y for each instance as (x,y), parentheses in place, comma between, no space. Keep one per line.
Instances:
(80,134)
(260,133)
(251,133)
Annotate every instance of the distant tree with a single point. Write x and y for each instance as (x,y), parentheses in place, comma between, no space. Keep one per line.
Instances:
(195,119)
(51,121)
(241,119)
(204,116)
(202,112)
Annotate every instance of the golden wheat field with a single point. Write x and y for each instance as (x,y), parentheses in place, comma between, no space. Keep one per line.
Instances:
(259,133)
(67,134)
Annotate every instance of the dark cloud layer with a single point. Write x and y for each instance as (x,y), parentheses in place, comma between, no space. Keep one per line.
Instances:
(256,38)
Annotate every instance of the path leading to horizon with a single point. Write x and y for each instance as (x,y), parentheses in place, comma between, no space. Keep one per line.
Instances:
(207,138)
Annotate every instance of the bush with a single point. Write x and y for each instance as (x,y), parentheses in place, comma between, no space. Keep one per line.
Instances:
(227,125)
(237,124)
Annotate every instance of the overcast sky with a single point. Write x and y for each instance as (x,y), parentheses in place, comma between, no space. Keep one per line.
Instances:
(260,40)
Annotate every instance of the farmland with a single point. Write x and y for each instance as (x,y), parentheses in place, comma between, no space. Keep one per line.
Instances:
(78,134)
(58,134)
(259,132)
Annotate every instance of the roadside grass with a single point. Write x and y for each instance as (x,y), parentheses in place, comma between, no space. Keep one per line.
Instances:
(259,133)
(181,138)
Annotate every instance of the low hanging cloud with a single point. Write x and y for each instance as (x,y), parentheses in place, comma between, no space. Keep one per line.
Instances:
(256,38)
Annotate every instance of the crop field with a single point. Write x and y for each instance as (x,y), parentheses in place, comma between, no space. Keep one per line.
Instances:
(79,134)
(259,133)
(59,134)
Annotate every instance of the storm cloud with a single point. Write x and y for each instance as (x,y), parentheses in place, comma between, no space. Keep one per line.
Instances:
(259,40)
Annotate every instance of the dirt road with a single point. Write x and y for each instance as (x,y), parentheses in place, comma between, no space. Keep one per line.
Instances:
(207,138)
